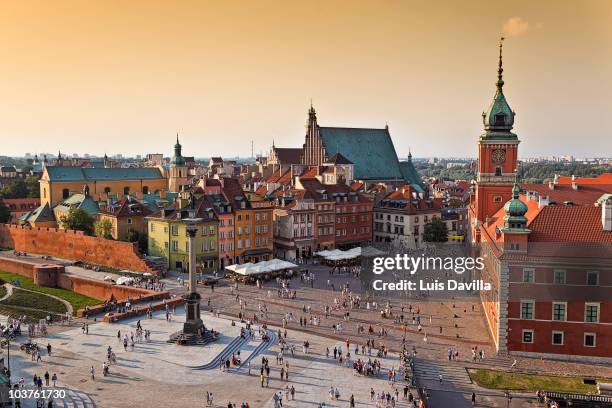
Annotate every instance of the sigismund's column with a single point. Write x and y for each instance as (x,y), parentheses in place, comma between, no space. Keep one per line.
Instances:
(193,322)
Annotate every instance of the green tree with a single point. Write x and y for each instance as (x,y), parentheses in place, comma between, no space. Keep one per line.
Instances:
(435,231)
(22,189)
(104,228)
(78,219)
(33,186)
(5,213)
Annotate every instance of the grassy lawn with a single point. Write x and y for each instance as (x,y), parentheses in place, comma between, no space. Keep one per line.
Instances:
(77,301)
(526,382)
(23,298)
(32,316)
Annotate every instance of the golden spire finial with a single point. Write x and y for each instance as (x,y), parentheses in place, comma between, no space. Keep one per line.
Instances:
(500,69)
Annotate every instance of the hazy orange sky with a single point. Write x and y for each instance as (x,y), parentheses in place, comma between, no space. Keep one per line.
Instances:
(124,77)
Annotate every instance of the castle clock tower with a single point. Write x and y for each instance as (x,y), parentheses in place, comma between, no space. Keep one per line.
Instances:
(497,157)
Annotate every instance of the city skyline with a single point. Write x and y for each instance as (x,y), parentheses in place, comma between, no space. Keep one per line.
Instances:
(124,79)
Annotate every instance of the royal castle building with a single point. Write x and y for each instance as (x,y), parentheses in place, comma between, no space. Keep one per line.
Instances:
(547,251)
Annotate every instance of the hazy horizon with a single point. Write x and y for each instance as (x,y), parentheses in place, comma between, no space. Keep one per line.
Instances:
(124,78)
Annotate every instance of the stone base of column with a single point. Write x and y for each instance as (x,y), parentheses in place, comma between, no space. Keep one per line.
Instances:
(193,322)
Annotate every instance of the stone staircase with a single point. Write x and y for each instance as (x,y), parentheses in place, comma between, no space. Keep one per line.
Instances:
(235,345)
(430,370)
(263,346)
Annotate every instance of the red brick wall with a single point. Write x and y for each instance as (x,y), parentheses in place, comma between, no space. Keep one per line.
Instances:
(573,341)
(74,245)
(41,274)
(99,289)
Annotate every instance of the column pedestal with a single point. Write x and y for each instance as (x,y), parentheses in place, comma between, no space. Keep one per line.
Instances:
(193,322)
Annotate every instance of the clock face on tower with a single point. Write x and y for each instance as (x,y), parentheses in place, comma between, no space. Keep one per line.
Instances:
(499,156)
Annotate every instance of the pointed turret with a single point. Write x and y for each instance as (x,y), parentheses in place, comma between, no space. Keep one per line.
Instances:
(499,117)
(515,210)
(177,159)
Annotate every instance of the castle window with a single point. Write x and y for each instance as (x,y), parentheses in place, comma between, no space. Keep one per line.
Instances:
(589,339)
(592,278)
(497,199)
(528,275)
(126,190)
(559,277)
(527,309)
(145,190)
(107,190)
(65,193)
(557,338)
(527,336)
(498,171)
(559,311)
(591,313)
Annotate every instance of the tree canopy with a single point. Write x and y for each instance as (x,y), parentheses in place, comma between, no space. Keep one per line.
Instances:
(104,228)
(28,188)
(435,231)
(78,219)
(5,213)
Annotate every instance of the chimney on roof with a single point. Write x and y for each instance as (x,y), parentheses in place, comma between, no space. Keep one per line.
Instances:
(556,179)
(573,177)
(551,185)
(574,184)
(606,215)
(543,201)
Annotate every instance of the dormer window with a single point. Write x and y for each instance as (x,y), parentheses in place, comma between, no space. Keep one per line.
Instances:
(500,119)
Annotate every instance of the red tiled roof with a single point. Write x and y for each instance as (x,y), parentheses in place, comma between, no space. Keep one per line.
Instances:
(310,172)
(586,194)
(357,186)
(562,223)
(288,155)
(274,177)
(128,206)
(558,223)
(605,178)
(262,190)
(285,178)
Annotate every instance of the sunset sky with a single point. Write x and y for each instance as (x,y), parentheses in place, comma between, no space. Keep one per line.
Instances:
(125,76)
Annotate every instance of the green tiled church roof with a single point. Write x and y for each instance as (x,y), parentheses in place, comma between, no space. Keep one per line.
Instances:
(65,173)
(78,200)
(370,150)
(41,214)
(410,174)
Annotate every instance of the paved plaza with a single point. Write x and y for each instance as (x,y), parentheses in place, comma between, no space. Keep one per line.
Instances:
(158,373)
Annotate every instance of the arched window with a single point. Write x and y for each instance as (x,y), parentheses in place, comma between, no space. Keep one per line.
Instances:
(44,193)
(126,190)
(65,193)
(107,190)
(498,171)
(180,173)
(145,190)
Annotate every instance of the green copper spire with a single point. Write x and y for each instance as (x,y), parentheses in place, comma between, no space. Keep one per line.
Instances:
(498,120)
(515,210)
(500,69)
(178,159)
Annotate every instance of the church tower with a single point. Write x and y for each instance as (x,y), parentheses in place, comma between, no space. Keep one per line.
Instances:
(497,157)
(313,152)
(178,172)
